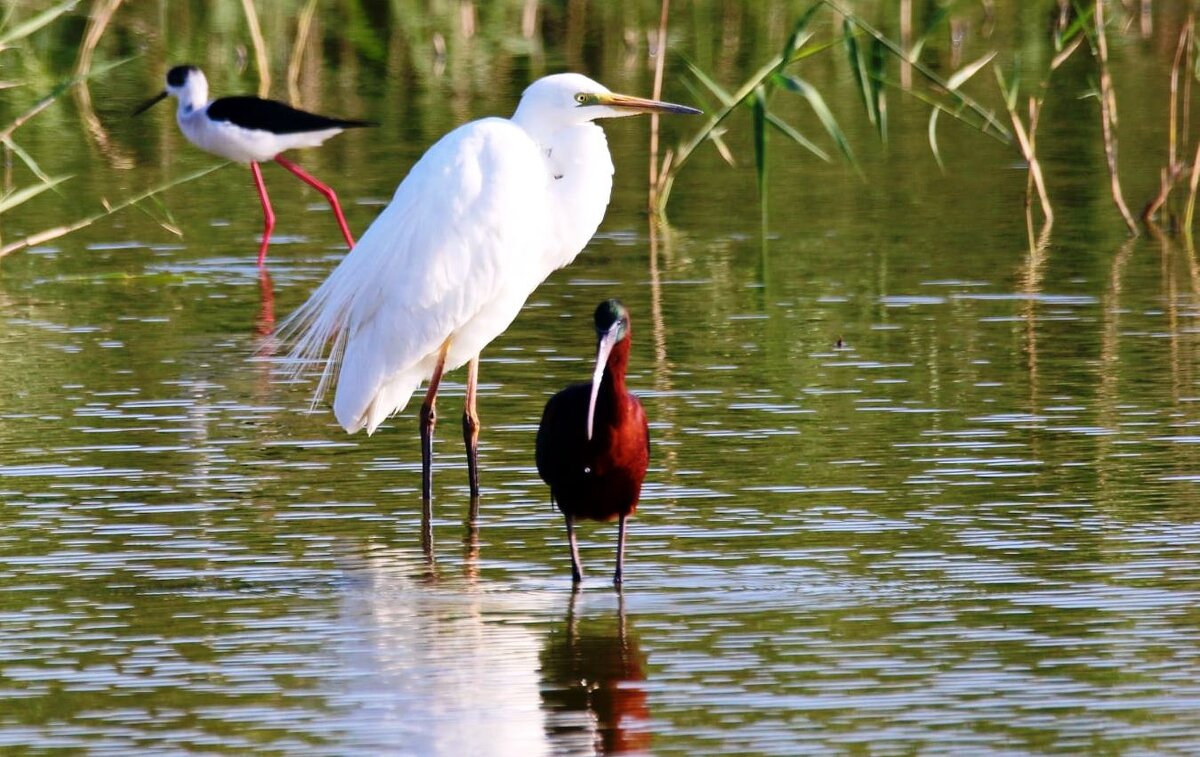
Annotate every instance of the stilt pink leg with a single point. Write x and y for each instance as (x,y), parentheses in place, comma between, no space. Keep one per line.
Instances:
(329,194)
(268,213)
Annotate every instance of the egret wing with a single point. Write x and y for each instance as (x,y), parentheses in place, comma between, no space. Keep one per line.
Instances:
(465,224)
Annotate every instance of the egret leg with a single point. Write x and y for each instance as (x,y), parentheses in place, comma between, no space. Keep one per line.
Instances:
(470,424)
(428,421)
(330,195)
(620,551)
(268,213)
(576,571)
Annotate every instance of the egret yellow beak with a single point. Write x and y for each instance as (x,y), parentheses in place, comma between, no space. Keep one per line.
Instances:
(150,103)
(640,104)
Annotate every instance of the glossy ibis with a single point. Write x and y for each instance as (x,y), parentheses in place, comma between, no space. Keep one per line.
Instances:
(593,444)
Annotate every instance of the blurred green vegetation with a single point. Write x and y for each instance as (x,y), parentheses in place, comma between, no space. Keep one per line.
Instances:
(422,66)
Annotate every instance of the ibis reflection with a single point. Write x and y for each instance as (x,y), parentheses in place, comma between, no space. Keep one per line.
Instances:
(592,692)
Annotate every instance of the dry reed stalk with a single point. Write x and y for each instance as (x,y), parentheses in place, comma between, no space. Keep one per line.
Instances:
(303,27)
(98,22)
(1170,174)
(260,48)
(1108,119)
(1191,203)
(1025,140)
(659,62)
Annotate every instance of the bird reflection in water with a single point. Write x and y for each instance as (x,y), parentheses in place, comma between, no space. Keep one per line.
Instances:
(265,323)
(470,541)
(592,690)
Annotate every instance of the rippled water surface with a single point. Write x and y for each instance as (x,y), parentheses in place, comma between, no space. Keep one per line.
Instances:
(913,488)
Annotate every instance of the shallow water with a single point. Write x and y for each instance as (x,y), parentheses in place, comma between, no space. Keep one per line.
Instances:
(912,489)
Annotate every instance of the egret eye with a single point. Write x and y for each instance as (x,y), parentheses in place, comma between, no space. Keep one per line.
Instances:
(581,98)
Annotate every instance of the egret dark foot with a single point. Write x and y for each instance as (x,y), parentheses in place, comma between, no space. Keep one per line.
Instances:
(470,426)
(428,421)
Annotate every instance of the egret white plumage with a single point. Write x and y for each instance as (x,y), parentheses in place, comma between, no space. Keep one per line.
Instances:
(480,221)
(250,129)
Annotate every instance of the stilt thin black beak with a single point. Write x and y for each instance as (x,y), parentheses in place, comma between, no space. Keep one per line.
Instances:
(150,103)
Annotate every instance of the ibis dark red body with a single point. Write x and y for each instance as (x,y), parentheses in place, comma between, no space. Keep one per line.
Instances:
(593,443)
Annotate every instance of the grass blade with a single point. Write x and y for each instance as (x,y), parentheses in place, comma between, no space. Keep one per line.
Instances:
(858,67)
(31,25)
(19,196)
(60,231)
(793,134)
(821,109)
(56,93)
(956,80)
(878,94)
(797,39)
(760,149)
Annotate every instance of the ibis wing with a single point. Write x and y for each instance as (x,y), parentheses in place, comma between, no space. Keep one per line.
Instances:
(465,228)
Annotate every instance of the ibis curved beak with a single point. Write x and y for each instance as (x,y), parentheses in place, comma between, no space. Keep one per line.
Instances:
(150,103)
(603,349)
(642,105)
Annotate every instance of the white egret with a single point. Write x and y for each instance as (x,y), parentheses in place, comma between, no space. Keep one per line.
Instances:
(249,129)
(480,221)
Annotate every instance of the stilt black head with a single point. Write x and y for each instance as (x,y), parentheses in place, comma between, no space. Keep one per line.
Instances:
(177,82)
(178,75)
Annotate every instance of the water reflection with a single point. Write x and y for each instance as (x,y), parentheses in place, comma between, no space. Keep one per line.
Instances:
(436,667)
(592,684)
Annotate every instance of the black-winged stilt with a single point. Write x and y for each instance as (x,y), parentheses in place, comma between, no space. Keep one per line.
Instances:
(250,129)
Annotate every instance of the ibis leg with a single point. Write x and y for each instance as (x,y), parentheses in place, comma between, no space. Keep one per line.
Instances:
(470,424)
(576,570)
(428,421)
(620,550)
(268,213)
(329,194)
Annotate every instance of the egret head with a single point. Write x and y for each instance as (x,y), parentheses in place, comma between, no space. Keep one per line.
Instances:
(612,327)
(570,99)
(187,83)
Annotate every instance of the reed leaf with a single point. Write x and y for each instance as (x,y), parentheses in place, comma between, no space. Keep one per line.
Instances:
(858,67)
(19,196)
(32,24)
(47,235)
(851,21)
(789,131)
(956,80)
(57,92)
(878,64)
(797,38)
(760,148)
(782,126)
(26,158)
(822,111)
